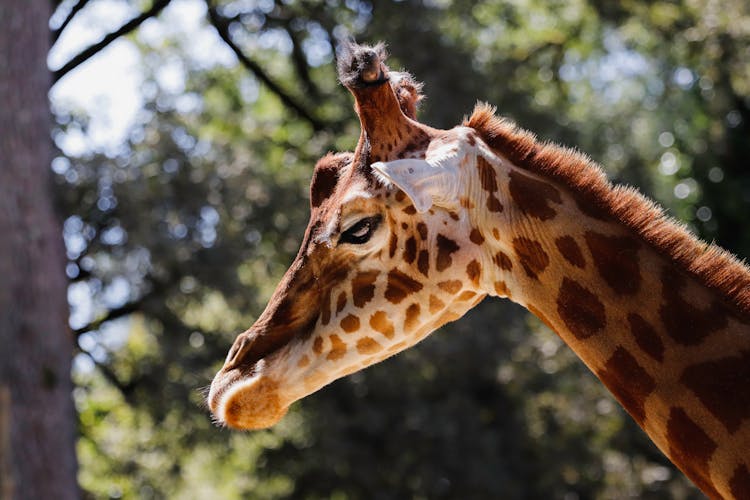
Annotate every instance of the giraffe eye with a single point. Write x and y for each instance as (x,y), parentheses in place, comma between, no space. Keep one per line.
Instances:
(361,231)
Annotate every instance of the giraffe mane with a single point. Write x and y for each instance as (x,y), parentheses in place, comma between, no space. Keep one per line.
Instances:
(598,197)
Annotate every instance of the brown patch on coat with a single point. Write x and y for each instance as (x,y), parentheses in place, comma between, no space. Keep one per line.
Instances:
(684,322)
(341,302)
(350,323)
(317,345)
(422,230)
(410,250)
(474,271)
(503,261)
(466,202)
(392,245)
(419,142)
(532,256)
(592,209)
(447,317)
(501,288)
(488,180)
(400,286)
(423,262)
(576,173)
(466,295)
(451,286)
(616,259)
(380,323)
(493,204)
(570,251)
(368,345)
(446,247)
(722,386)
(436,304)
(487,175)
(363,287)
(533,196)
(410,210)
(629,382)
(690,448)
(412,317)
(581,311)
(338,348)
(476,236)
(646,337)
(325,308)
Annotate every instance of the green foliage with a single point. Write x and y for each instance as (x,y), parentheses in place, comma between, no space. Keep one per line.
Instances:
(195,218)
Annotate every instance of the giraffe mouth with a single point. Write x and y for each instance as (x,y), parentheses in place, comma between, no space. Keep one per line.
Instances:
(246,393)
(242,400)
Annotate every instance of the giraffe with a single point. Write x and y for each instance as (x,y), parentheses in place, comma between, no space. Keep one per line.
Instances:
(419,225)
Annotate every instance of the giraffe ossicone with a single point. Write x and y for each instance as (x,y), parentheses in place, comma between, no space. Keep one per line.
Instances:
(419,225)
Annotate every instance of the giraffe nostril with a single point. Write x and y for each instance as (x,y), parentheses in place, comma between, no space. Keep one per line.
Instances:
(249,348)
(238,351)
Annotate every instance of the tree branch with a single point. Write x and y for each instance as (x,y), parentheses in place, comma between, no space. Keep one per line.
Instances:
(284,19)
(222,27)
(299,59)
(92,50)
(117,312)
(58,31)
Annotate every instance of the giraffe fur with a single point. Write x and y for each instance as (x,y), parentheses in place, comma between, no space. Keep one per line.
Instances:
(419,225)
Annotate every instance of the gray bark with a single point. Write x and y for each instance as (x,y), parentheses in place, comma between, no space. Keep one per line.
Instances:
(37,420)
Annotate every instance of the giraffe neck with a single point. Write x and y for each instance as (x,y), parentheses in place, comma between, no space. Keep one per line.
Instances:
(673,350)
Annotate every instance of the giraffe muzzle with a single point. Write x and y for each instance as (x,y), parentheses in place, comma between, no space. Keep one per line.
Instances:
(246,397)
(244,394)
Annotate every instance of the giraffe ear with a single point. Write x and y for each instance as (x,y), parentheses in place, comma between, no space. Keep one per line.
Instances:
(423,182)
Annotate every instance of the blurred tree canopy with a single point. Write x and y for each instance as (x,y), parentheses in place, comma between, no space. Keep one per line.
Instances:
(176,238)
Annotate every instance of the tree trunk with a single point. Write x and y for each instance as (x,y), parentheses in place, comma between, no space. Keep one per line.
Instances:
(37,431)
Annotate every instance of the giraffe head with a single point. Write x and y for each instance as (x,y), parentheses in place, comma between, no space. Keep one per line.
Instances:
(388,256)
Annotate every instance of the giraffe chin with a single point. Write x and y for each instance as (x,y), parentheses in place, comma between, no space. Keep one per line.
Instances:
(250,404)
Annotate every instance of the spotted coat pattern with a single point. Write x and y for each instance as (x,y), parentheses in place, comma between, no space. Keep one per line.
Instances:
(535,224)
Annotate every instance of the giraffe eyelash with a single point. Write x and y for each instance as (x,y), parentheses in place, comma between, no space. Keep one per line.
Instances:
(361,231)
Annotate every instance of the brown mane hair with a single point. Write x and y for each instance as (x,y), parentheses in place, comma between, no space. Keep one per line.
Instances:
(597,196)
